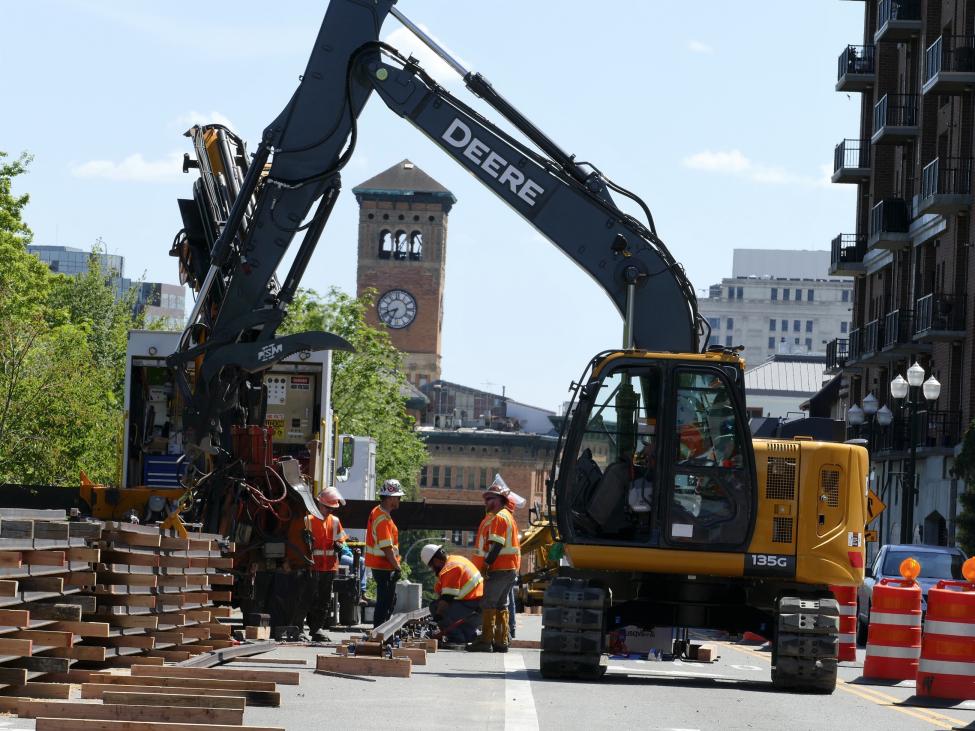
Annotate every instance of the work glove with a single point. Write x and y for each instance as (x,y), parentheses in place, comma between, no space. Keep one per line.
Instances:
(397,575)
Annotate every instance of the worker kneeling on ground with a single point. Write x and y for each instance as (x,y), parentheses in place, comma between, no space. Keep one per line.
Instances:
(459,590)
(497,554)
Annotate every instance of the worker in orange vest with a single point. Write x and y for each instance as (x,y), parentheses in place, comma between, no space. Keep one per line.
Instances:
(497,554)
(459,590)
(382,550)
(328,537)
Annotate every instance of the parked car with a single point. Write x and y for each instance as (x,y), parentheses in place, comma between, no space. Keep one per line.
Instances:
(937,563)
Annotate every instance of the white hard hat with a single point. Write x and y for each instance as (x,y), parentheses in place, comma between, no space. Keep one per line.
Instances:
(429,551)
(331,498)
(391,488)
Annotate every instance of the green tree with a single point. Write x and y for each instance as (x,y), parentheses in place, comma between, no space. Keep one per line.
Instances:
(12,226)
(964,468)
(368,384)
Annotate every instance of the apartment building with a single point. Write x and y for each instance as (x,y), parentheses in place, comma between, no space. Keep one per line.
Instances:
(909,251)
(778,301)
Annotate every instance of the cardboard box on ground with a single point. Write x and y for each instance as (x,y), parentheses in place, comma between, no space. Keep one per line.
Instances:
(632,640)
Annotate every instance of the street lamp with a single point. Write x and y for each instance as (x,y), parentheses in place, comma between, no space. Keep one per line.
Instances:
(908,390)
(870,413)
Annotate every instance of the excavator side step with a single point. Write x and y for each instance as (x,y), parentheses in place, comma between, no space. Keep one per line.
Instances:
(806,642)
(573,630)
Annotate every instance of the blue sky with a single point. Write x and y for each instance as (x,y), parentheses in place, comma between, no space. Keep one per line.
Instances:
(721,116)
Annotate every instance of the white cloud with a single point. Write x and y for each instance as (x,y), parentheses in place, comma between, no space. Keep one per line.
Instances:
(184,121)
(699,47)
(735,163)
(408,44)
(134,168)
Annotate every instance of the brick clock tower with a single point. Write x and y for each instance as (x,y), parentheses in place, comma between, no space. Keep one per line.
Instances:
(403,256)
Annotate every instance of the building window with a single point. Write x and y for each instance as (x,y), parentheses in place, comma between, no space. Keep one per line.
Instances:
(810,294)
(785,326)
(771,326)
(775,294)
(727,341)
(731,293)
(472,477)
(797,341)
(740,292)
(798,295)
(446,477)
(809,326)
(796,326)
(457,537)
(435,482)
(713,340)
(785,294)
(729,323)
(471,535)
(809,344)
(423,476)
(460,478)
(845,296)
(844,327)
(771,343)
(484,478)
(715,323)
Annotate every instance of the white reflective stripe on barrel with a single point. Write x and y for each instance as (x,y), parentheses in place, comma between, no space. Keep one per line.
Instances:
(904,653)
(905,620)
(946,667)
(848,610)
(847,638)
(953,629)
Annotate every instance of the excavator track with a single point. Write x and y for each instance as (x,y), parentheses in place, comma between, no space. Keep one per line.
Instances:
(805,645)
(573,629)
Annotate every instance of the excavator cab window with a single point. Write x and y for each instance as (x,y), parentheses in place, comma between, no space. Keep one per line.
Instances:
(710,501)
(616,461)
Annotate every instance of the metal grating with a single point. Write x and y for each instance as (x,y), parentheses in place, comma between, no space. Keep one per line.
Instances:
(781,530)
(783,447)
(780,482)
(829,486)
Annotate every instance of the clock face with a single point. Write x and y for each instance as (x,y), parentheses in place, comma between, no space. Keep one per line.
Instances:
(397,308)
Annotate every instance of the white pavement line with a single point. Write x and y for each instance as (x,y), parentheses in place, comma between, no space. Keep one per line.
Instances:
(668,673)
(519,703)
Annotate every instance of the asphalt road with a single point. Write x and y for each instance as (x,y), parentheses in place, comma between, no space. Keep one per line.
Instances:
(462,690)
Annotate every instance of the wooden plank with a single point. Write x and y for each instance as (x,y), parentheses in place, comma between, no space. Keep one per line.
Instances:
(196,633)
(44,558)
(221,579)
(111,712)
(12,676)
(38,664)
(129,558)
(125,661)
(16,528)
(144,641)
(40,690)
(269,660)
(14,617)
(19,648)
(10,559)
(177,580)
(80,578)
(72,724)
(257,633)
(381,666)
(44,637)
(107,577)
(180,562)
(222,644)
(127,600)
(50,530)
(88,653)
(79,529)
(170,655)
(91,555)
(198,615)
(221,596)
(416,655)
(145,621)
(252,697)
(129,538)
(164,699)
(168,543)
(83,629)
(8,588)
(68,612)
(188,682)
(284,677)
(219,630)
(221,611)
(220,563)
(42,583)
(171,618)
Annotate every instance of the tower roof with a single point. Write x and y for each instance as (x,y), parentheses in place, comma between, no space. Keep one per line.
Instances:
(404,179)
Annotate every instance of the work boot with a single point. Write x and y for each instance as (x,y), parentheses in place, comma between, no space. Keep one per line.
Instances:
(485,641)
(500,641)
(319,636)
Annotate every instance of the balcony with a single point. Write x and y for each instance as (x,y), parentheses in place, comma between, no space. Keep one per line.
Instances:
(949,65)
(897,20)
(938,429)
(873,339)
(855,354)
(851,162)
(940,318)
(898,333)
(857,69)
(837,352)
(846,259)
(946,186)
(889,224)
(895,119)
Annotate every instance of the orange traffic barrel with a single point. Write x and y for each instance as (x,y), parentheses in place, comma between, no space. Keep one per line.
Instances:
(846,597)
(947,665)
(894,636)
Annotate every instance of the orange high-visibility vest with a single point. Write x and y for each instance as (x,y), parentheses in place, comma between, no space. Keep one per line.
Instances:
(381,532)
(325,534)
(500,528)
(460,579)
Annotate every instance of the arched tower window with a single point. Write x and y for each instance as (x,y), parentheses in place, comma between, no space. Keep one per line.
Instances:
(401,245)
(416,246)
(385,244)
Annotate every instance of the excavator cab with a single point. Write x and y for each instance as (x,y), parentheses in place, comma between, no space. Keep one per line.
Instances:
(657,454)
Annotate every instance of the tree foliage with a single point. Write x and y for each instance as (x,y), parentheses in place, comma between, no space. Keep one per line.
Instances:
(60,367)
(368,384)
(964,468)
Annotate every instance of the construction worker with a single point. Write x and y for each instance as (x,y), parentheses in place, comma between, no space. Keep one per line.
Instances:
(328,539)
(459,590)
(497,554)
(382,550)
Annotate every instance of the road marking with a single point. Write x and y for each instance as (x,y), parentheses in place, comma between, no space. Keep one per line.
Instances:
(663,673)
(519,703)
(880,699)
